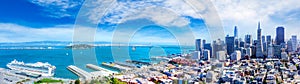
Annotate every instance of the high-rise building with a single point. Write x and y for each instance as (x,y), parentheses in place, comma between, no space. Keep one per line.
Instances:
(279,35)
(290,45)
(269,40)
(230,44)
(217,46)
(259,46)
(270,52)
(242,44)
(196,55)
(203,43)
(221,55)
(294,43)
(264,44)
(236,55)
(248,51)
(248,40)
(263,39)
(236,44)
(206,55)
(277,51)
(208,47)
(235,32)
(198,44)
(284,55)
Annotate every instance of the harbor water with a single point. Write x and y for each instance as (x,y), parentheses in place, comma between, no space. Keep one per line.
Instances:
(62,57)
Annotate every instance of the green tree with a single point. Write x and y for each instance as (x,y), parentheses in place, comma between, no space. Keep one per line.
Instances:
(77,81)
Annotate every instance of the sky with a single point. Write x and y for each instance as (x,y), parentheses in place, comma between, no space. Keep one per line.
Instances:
(148,21)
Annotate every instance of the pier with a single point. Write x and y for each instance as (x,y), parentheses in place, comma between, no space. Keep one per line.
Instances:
(79,72)
(97,68)
(138,62)
(117,66)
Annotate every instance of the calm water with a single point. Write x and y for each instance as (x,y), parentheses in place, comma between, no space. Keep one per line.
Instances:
(61,57)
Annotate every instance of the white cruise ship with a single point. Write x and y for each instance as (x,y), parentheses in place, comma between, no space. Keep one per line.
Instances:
(39,68)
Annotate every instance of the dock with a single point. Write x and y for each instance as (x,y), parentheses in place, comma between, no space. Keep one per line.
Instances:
(139,62)
(125,64)
(79,72)
(97,68)
(117,66)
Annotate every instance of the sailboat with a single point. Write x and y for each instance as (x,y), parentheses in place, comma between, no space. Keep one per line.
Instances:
(133,48)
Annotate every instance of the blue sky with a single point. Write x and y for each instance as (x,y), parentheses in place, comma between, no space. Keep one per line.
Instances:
(54,20)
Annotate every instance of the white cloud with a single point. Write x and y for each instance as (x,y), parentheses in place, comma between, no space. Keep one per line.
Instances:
(246,14)
(162,12)
(58,8)
(17,33)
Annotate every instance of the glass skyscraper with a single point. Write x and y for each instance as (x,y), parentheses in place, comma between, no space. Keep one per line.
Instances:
(230,44)
(279,35)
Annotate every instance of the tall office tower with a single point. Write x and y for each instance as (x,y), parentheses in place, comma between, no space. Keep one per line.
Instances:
(264,44)
(253,50)
(269,40)
(217,46)
(248,39)
(290,45)
(242,44)
(198,44)
(196,55)
(236,55)
(236,44)
(235,32)
(294,43)
(279,35)
(230,42)
(203,43)
(206,55)
(208,47)
(244,52)
(221,55)
(270,52)
(263,39)
(249,51)
(259,46)
(277,51)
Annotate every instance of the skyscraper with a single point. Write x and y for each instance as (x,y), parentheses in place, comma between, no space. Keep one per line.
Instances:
(259,47)
(294,43)
(206,55)
(198,44)
(203,43)
(264,44)
(230,41)
(217,46)
(269,39)
(208,47)
(263,39)
(235,32)
(290,45)
(248,40)
(279,35)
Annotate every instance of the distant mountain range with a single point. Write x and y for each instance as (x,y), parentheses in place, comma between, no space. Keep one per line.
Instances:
(69,43)
(47,43)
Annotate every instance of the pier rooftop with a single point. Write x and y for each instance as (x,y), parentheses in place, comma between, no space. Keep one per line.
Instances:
(117,66)
(97,68)
(79,72)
